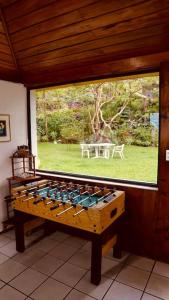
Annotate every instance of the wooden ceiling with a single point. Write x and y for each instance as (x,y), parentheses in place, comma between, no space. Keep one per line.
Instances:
(43,42)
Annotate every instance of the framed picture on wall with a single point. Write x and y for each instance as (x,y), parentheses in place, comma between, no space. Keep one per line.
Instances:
(5,131)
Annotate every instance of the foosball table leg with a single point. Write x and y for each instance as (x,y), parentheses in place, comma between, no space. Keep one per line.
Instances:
(117,253)
(19,232)
(96,261)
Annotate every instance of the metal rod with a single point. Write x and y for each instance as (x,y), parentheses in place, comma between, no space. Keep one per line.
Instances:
(53,189)
(88,197)
(80,211)
(62,212)
(27,199)
(49,202)
(68,201)
(35,187)
(99,199)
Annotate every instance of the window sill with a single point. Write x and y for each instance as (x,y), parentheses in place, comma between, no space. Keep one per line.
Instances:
(136,185)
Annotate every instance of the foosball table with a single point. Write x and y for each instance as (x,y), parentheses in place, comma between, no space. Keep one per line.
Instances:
(91,212)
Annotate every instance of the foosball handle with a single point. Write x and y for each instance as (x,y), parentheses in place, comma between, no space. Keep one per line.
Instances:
(54,207)
(39,200)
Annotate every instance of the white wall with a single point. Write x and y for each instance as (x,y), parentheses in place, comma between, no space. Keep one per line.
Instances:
(12,102)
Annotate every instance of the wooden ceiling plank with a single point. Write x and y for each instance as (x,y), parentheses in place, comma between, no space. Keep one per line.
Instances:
(7,65)
(51,24)
(5,49)
(92,24)
(145,21)
(50,11)
(8,39)
(111,41)
(153,44)
(3,39)
(98,34)
(96,44)
(6,57)
(22,7)
(5,3)
(1,27)
(94,70)
(54,45)
(94,65)
(75,16)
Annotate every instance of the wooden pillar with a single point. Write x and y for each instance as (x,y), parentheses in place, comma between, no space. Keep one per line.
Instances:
(161,232)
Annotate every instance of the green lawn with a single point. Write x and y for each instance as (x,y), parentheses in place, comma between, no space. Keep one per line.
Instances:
(140,163)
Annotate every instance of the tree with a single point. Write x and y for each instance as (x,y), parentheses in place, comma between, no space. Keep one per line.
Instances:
(106,110)
(105,95)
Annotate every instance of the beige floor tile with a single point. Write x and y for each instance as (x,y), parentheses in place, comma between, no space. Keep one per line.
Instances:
(133,277)
(76,295)
(87,247)
(81,259)
(51,290)
(63,252)
(119,291)
(4,240)
(10,234)
(161,269)
(9,249)
(27,281)
(9,269)
(3,258)
(75,242)
(92,290)
(1,284)
(69,274)
(31,241)
(140,262)
(47,264)
(110,268)
(46,244)
(149,297)
(29,257)
(158,286)
(8,293)
(59,236)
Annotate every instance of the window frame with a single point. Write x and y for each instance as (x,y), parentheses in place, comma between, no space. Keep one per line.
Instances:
(100,179)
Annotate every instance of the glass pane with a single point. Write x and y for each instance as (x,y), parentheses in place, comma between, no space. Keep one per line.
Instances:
(105,129)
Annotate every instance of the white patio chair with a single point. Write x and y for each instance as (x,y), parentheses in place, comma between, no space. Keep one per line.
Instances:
(119,150)
(106,151)
(85,149)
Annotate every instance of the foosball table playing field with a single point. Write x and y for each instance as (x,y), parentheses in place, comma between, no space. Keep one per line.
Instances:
(84,210)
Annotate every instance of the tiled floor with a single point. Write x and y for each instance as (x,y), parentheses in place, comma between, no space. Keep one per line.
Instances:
(58,267)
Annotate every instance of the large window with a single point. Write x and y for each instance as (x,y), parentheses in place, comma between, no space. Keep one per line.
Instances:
(107,129)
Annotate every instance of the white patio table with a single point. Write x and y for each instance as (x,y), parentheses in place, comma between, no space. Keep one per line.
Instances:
(101,146)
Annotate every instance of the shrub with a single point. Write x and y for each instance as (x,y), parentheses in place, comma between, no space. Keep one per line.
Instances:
(44,138)
(142,136)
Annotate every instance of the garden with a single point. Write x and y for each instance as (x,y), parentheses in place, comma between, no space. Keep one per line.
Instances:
(119,112)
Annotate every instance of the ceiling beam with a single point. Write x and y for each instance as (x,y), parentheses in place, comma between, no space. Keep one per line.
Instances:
(4,24)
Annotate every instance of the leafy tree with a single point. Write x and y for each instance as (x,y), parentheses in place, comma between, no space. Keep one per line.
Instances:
(113,110)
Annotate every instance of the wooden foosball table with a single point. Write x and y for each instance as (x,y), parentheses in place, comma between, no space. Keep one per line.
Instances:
(87,211)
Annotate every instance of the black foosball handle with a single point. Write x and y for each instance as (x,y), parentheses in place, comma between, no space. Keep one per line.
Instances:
(54,207)
(39,200)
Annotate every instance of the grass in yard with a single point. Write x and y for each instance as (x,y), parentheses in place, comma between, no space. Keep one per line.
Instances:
(140,163)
